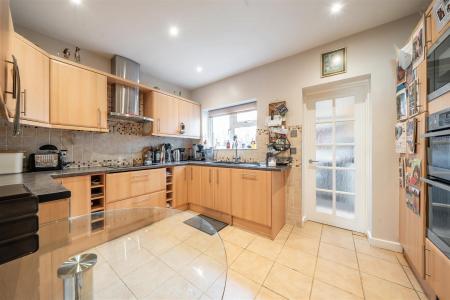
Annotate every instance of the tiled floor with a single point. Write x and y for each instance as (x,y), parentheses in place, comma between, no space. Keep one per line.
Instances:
(174,261)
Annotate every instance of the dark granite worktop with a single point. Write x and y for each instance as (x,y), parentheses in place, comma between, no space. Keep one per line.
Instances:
(46,188)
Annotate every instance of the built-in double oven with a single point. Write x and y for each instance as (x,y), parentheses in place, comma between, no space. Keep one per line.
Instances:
(438,180)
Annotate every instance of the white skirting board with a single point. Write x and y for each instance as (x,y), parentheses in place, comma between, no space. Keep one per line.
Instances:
(385,244)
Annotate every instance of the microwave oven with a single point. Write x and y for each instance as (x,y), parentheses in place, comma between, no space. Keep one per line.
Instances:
(438,67)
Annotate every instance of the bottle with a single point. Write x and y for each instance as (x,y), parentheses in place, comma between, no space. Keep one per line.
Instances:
(253,144)
(228,144)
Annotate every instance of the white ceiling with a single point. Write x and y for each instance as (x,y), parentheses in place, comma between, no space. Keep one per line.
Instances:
(225,37)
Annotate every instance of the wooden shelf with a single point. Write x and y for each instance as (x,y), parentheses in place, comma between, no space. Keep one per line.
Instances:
(97,208)
(97,197)
(97,220)
(97,186)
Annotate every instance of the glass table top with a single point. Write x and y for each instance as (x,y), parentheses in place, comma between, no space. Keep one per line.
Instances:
(141,253)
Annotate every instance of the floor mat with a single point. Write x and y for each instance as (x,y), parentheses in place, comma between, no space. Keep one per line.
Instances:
(206,224)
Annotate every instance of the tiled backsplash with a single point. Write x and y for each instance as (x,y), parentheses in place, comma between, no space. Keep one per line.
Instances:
(124,142)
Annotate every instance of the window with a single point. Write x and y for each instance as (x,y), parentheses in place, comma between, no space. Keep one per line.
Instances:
(225,123)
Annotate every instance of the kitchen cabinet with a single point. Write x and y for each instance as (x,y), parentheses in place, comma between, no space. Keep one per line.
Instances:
(78,97)
(80,199)
(6,35)
(157,199)
(171,114)
(180,186)
(250,197)
(34,69)
(437,271)
(222,190)
(124,185)
(432,33)
(207,187)
(53,211)
(195,185)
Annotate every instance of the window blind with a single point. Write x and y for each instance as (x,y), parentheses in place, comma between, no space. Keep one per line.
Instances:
(232,109)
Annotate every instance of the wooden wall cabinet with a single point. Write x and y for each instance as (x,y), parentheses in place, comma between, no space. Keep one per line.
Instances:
(6,35)
(80,199)
(432,33)
(170,113)
(437,273)
(34,68)
(78,97)
(180,186)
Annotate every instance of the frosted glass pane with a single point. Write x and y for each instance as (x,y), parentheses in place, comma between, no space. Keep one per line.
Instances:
(345,156)
(345,206)
(345,132)
(324,133)
(324,110)
(345,107)
(324,179)
(324,202)
(345,181)
(324,156)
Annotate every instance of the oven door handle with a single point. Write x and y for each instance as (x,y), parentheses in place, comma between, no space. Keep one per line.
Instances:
(437,133)
(436,184)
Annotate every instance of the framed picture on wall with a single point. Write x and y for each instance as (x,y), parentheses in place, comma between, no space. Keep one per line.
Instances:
(334,62)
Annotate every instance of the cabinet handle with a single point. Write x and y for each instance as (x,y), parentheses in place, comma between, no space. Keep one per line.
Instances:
(24,112)
(139,177)
(209,175)
(427,262)
(217,176)
(192,174)
(185,175)
(99,117)
(248,176)
(159,126)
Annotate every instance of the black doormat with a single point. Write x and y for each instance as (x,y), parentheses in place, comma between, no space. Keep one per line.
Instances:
(206,224)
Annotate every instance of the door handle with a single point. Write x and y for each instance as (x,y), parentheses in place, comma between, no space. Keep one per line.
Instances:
(313,161)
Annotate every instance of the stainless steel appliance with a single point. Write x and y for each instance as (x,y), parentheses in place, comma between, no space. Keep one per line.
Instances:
(438,180)
(125,99)
(147,156)
(438,67)
(198,152)
(176,155)
(47,158)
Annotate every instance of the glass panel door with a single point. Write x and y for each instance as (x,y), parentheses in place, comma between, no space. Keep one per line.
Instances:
(335,157)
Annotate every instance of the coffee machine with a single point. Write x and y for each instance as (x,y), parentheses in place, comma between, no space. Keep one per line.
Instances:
(198,152)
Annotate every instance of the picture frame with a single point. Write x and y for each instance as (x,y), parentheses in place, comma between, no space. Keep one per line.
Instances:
(333,62)
(402,105)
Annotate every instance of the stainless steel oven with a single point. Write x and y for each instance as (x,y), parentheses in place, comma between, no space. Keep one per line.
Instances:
(439,145)
(438,67)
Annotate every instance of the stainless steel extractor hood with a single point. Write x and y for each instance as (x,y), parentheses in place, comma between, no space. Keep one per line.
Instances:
(125,99)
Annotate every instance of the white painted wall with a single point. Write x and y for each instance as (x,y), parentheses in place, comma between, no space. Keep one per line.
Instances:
(369,53)
(100,61)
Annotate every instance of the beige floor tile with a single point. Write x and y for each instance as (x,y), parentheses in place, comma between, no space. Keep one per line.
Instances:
(401,259)
(338,237)
(298,260)
(202,241)
(266,294)
(265,247)
(203,272)
(363,246)
(415,283)
(340,276)
(205,297)
(237,287)
(304,243)
(116,291)
(310,228)
(224,250)
(338,255)
(158,244)
(379,289)
(288,283)
(252,266)
(130,261)
(118,248)
(239,237)
(182,231)
(147,278)
(323,291)
(103,277)
(383,269)
(176,288)
(179,256)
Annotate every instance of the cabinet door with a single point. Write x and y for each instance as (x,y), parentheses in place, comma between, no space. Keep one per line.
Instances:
(180,186)
(194,185)
(437,270)
(80,199)
(222,190)
(250,195)
(207,187)
(189,115)
(165,114)
(53,211)
(117,186)
(75,96)
(34,68)
(6,35)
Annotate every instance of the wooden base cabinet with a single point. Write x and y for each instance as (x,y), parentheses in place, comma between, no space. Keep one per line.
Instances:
(53,211)
(80,199)
(437,271)
(194,185)
(180,186)
(157,199)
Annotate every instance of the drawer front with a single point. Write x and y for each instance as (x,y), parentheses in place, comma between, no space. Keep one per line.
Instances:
(147,181)
(150,200)
(53,211)
(117,186)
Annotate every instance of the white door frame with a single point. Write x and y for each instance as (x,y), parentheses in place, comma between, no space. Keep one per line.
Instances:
(366,147)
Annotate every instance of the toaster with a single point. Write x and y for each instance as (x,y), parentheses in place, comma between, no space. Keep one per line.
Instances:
(47,158)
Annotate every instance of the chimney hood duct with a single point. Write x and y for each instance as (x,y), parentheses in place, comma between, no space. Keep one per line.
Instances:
(125,99)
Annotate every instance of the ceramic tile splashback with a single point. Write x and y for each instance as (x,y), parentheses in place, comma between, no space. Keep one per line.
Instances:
(124,142)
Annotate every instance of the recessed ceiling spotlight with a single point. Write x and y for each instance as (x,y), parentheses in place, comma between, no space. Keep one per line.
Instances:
(336,8)
(77,2)
(174,31)
(199,69)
